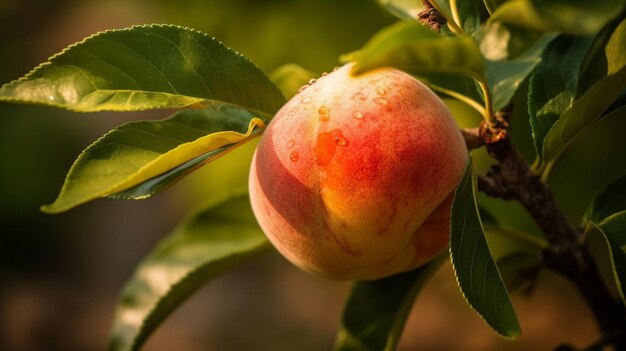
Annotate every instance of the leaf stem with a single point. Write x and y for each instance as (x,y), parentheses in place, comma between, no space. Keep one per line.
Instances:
(488,7)
(455,13)
(463,98)
(488,111)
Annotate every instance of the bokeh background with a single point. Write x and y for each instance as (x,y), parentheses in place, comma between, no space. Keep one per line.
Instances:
(60,275)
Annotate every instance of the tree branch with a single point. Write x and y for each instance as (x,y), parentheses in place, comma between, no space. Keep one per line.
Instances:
(567,254)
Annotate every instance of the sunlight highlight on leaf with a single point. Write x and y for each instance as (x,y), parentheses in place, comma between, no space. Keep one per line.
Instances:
(138,151)
(145,67)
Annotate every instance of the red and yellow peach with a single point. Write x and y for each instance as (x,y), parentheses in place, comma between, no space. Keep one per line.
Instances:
(354,177)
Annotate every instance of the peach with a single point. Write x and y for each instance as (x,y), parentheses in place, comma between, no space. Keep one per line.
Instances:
(354,176)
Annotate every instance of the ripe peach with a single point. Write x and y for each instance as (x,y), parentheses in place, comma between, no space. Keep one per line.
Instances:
(353,178)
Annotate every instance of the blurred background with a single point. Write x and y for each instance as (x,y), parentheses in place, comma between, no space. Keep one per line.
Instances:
(60,275)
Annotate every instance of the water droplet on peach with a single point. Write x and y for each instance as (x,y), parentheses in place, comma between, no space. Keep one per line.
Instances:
(291,143)
(312,81)
(340,140)
(381,101)
(381,91)
(324,74)
(306,99)
(294,157)
(357,115)
(323,111)
(360,96)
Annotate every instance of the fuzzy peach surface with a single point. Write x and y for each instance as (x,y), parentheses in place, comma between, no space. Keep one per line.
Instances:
(353,178)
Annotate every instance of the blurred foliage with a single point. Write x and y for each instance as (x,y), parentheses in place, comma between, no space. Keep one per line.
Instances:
(37,145)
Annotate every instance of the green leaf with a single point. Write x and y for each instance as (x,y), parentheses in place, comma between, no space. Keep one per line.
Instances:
(407,10)
(574,17)
(576,120)
(471,14)
(290,78)
(609,201)
(553,85)
(607,217)
(505,76)
(136,152)
(145,67)
(163,181)
(475,269)
(417,49)
(212,240)
(613,231)
(591,105)
(376,311)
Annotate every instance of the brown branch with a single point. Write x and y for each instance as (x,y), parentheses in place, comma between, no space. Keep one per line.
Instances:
(567,254)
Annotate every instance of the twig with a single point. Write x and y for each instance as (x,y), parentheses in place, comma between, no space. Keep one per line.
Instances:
(472,138)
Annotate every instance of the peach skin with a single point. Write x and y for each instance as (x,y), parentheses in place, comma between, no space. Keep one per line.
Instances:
(354,177)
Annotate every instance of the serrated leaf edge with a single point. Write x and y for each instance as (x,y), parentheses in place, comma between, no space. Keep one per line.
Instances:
(458,282)
(128,29)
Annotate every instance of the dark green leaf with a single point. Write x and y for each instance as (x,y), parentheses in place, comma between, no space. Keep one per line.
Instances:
(594,66)
(609,202)
(588,108)
(218,236)
(290,78)
(475,269)
(136,152)
(145,67)
(417,49)
(576,120)
(607,217)
(471,14)
(376,311)
(505,76)
(554,83)
(407,10)
(576,16)
(613,231)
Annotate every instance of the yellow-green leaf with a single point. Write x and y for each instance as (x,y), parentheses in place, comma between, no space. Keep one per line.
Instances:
(138,151)
(418,49)
(577,16)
